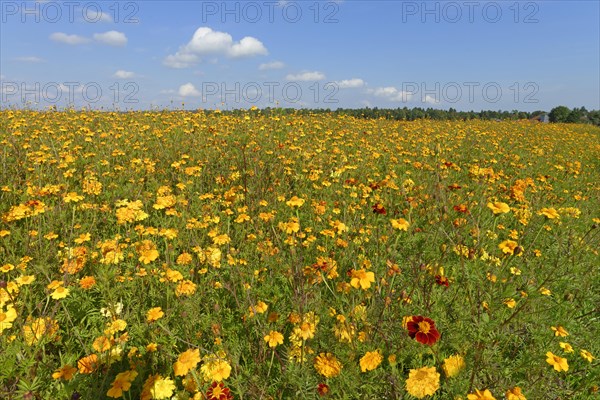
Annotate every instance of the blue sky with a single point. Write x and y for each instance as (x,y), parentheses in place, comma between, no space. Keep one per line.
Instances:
(467,55)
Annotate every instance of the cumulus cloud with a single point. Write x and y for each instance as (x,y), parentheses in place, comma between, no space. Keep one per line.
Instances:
(350,83)
(391,93)
(68,39)
(30,59)
(111,38)
(206,42)
(121,74)
(271,65)
(96,16)
(188,90)
(306,76)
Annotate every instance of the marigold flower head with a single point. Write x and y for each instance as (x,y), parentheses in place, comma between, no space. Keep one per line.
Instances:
(586,355)
(559,363)
(88,364)
(515,394)
(400,224)
(274,339)
(559,331)
(498,207)
(508,247)
(327,365)
(186,361)
(218,391)
(423,382)
(362,279)
(481,395)
(453,365)
(549,213)
(423,330)
(154,314)
(370,360)
(323,389)
(65,372)
(215,368)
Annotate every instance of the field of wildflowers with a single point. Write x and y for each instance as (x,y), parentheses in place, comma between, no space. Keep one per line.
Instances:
(159,255)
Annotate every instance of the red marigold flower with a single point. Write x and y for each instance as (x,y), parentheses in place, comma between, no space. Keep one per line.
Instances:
(379,209)
(218,391)
(423,330)
(442,280)
(322,389)
(461,208)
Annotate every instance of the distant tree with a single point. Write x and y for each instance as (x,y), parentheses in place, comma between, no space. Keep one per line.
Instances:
(559,114)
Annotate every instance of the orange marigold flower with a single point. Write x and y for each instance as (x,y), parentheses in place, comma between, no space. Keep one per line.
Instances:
(88,364)
(186,361)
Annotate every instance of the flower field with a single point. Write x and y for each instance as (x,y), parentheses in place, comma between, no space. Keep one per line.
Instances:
(160,255)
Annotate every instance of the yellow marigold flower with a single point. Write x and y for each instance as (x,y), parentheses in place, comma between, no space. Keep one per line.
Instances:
(274,339)
(72,197)
(549,213)
(221,239)
(295,201)
(515,394)
(362,279)
(115,326)
(185,288)
(151,347)
(508,246)
(423,382)
(545,291)
(4,232)
(400,224)
(147,251)
(453,365)
(215,368)
(498,207)
(510,303)
(481,395)
(102,344)
(7,317)
(154,314)
(60,293)
(25,280)
(186,361)
(566,347)
(327,365)
(559,331)
(184,259)
(559,363)
(370,360)
(162,388)
(122,383)
(587,355)
(66,373)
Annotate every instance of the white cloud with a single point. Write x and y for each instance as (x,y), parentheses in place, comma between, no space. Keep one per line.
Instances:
(206,42)
(121,74)
(350,83)
(30,59)
(97,15)
(188,90)
(68,39)
(306,76)
(271,65)
(391,93)
(111,38)
(431,100)
(2,77)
